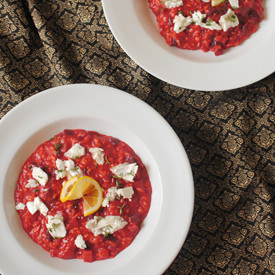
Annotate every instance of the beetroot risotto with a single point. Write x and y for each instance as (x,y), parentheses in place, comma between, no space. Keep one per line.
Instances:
(83,195)
(209,25)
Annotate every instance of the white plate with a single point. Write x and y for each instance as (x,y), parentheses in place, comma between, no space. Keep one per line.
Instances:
(112,112)
(134,27)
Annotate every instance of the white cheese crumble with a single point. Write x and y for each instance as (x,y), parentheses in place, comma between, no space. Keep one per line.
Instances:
(37,204)
(126,171)
(105,225)
(79,242)
(172,3)
(110,196)
(56,226)
(234,4)
(60,172)
(229,20)
(20,206)
(181,22)
(206,1)
(212,25)
(67,169)
(97,154)
(40,175)
(76,151)
(126,192)
(32,183)
(113,192)
(71,169)
(198,17)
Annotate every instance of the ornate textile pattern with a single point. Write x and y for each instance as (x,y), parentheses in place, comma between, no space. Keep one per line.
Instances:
(229,136)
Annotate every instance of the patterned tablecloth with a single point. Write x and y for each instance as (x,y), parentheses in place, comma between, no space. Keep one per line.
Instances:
(228,135)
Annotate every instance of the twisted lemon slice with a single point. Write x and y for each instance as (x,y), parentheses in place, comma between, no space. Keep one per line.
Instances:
(86,188)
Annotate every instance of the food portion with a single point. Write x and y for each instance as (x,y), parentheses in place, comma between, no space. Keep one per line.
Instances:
(209,25)
(83,195)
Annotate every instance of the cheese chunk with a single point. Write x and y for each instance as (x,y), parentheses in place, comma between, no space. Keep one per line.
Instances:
(79,242)
(75,152)
(113,192)
(105,225)
(71,169)
(37,204)
(67,169)
(110,196)
(97,154)
(20,206)
(198,17)
(56,226)
(126,171)
(126,192)
(60,173)
(229,20)
(40,175)
(172,3)
(32,183)
(181,22)
(234,4)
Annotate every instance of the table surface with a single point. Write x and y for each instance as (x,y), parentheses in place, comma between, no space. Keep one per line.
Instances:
(228,135)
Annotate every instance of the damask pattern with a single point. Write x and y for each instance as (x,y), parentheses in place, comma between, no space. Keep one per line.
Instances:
(228,135)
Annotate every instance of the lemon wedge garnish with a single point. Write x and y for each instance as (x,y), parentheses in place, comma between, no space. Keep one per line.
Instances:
(215,3)
(86,188)
(67,187)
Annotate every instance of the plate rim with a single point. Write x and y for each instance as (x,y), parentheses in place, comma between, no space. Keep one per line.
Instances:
(53,91)
(208,82)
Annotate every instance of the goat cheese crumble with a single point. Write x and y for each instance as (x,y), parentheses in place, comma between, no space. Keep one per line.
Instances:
(20,206)
(229,20)
(39,175)
(113,192)
(56,226)
(79,242)
(105,225)
(32,183)
(172,3)
(97,154)
(76,151)
(126,171)
(37,204)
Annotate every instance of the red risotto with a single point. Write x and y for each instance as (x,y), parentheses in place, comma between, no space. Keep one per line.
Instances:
(209,25)
(61,228)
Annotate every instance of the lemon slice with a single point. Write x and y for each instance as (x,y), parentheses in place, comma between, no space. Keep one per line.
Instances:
(67,187)
(88,189)
(215,3)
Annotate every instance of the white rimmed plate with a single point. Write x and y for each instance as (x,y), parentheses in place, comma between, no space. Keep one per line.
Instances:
(134,27)
(112,112)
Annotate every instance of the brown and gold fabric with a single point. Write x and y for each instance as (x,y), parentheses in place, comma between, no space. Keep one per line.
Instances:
(229,136)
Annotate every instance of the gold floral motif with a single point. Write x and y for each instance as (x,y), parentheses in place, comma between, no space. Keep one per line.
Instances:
(243,178)
(227,200)
(257,247)
(264,138)
(235,234)
(67,21)
(220,257)
(245,267)
(210,222)
(250,211)
(232,143)
(223,110)
(267,226)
